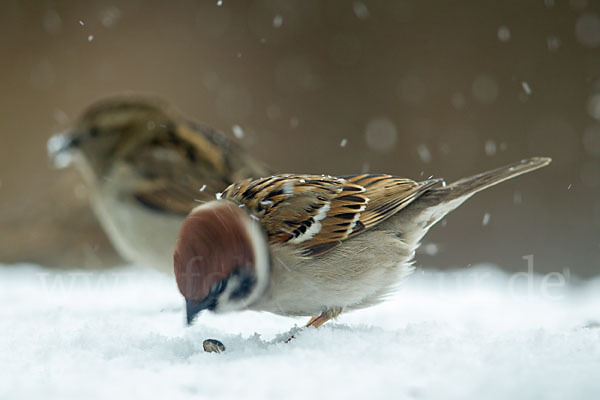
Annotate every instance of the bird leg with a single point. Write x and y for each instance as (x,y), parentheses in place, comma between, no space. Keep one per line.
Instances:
(325,316)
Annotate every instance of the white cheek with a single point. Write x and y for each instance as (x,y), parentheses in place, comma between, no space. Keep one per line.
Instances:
(224,303)
(261,265)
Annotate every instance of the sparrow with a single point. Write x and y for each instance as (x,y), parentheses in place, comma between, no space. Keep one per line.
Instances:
(305,245)
(146,167)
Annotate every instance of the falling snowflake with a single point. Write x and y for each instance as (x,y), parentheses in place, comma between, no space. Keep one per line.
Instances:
(238,132)
(486,219)
(504,34)
(424,153)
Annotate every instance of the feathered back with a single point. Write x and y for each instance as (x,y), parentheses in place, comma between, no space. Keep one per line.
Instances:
(316,213)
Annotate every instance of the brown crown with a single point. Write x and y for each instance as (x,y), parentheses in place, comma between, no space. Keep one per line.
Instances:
(213,242)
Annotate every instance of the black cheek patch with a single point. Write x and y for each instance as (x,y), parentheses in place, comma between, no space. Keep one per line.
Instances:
(247,283)
(212,305)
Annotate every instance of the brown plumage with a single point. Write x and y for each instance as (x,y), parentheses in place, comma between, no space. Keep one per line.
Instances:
(228,251)
(146,167)
(316,213)
(323,244)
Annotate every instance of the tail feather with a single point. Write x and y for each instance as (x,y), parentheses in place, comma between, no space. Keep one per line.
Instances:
(439,200)
(467,187)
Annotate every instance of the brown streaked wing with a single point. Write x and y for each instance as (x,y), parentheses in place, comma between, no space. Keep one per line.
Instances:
(387,195)
(174,167)
(172,197)
(287,205)
(315,213)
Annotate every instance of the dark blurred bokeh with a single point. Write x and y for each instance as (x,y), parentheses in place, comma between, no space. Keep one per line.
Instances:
(412,88)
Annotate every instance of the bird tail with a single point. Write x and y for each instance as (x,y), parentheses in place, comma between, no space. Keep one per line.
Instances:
(466,187)
(439,200)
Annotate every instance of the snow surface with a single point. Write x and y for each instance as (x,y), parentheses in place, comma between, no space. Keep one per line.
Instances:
(469,334)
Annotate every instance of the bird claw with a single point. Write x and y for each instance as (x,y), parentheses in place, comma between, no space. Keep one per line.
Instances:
(319,320)
(325,316)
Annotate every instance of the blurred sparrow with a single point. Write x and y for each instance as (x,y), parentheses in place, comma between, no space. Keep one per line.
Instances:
(302,245)
(146,167)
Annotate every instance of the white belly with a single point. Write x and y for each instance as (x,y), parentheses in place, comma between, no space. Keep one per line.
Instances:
(141,236)
(357,274)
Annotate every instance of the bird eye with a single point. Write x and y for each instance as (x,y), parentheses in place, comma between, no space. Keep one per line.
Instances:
(94,132)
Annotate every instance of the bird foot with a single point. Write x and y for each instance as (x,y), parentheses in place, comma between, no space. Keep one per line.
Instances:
(319,320)
(325,316)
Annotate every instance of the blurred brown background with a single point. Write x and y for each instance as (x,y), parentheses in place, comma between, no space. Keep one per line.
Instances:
(412,88)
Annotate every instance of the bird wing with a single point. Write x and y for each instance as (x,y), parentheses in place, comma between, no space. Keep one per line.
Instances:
(316,213)
(172,197)
(188,167)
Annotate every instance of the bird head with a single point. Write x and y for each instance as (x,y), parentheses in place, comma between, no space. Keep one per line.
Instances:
(109,129)
(221,259)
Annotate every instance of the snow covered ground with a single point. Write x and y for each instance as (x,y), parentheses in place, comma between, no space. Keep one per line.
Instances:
(477,333)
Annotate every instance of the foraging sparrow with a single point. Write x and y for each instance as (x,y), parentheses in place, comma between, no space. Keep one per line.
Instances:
(314,245)
(146,168)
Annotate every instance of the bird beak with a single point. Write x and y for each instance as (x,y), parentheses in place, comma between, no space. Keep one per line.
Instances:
(193,307)
(60,148)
